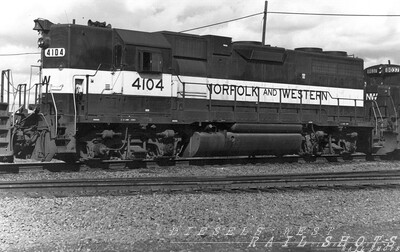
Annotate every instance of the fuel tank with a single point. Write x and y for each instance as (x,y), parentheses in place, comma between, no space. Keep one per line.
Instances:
(266,128)
(203,144)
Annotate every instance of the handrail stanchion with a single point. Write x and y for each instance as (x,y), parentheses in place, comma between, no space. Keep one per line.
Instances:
(301,108)
(234,104)
(320,109)
(183,95)
(355,110)
(258,104)
(280,104)
(2,87)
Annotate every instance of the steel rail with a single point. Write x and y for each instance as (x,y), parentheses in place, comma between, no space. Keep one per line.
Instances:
(388,178)
(116,164)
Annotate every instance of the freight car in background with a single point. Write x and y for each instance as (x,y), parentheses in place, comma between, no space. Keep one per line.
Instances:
(107,93)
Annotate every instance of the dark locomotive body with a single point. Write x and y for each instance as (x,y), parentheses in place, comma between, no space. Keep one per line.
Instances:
(118,94)
(383,107)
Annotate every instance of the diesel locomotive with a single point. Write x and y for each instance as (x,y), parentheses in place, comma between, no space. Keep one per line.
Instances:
(108,93)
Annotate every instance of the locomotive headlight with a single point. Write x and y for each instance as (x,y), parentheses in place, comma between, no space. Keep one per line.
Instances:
(43,42)
(40,42)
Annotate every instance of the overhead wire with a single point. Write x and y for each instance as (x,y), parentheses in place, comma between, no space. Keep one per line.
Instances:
(18,54)
(294,13)
(332,14)
(223,22)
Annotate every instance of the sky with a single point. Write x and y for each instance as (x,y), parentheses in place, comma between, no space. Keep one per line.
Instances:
(374,39)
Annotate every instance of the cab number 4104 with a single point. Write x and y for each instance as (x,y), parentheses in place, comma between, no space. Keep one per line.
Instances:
(148,84)
(54,52)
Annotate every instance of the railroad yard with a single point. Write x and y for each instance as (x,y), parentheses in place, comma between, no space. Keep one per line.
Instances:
(303,220)
(130,137)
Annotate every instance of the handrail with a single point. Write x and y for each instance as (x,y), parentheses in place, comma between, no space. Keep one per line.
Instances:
(377,106)
(395,112)
(30,83)
(21,94)
(185,83)
(5,74)
(376,119)
(55,109)
(380,115)
(233,85)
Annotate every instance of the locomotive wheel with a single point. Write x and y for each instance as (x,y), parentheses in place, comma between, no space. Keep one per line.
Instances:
(45,147)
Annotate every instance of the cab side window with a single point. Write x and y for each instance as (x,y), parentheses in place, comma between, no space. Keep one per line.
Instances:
(150,61)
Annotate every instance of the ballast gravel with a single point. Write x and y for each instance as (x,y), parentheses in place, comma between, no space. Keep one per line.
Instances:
(201,222)
(312,220)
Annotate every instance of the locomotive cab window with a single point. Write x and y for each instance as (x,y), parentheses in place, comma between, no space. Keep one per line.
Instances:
(150,61)
(79,86)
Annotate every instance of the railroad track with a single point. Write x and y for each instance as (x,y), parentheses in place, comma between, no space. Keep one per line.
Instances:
(123,186)
(132,164)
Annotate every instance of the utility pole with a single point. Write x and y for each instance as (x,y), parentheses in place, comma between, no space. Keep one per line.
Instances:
(264,22)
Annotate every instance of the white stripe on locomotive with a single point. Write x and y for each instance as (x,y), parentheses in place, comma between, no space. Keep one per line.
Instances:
(167,85)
